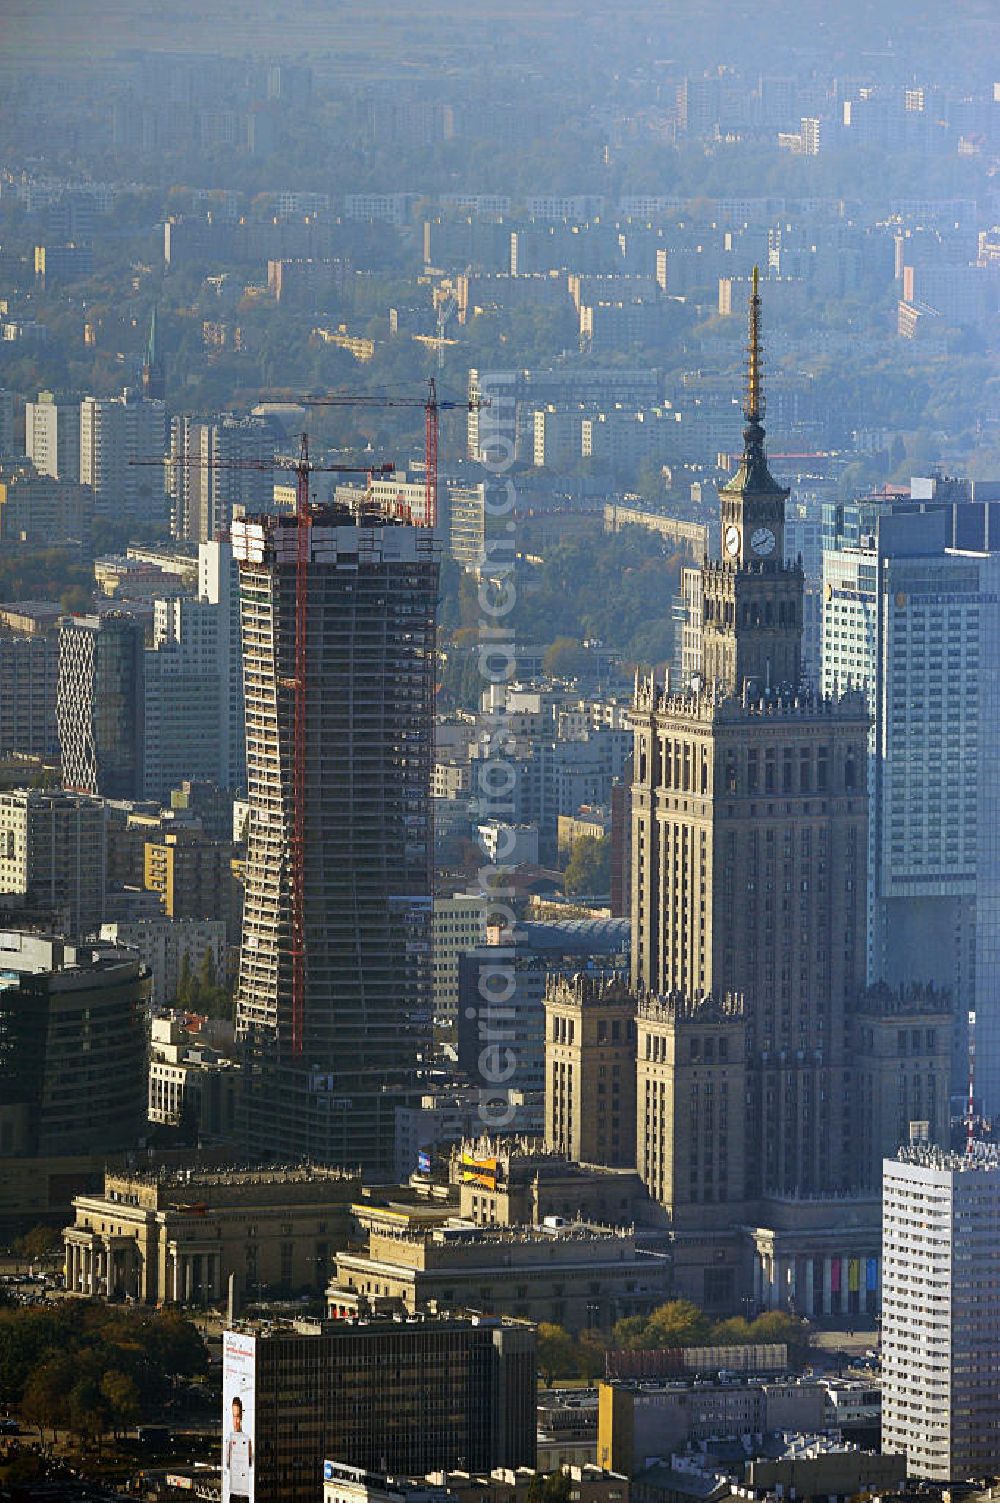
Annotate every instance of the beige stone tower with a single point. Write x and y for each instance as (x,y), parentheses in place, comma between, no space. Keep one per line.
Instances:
(749,835)
(590,1069)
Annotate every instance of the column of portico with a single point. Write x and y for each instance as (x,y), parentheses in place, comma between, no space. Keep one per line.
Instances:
(827,1286)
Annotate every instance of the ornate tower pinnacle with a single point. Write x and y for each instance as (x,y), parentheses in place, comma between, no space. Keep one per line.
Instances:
(754,409)
(753,603)
(754,458)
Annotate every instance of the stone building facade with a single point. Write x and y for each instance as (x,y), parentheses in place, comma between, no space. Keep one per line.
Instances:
(177,1237)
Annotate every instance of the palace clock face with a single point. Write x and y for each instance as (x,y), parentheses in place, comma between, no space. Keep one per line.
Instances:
(762,541)
(732,540)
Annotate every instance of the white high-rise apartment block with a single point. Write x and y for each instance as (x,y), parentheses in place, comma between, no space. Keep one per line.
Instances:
(113,432)
(459,926)
(941,1312)
(216,467)
(52,436)
(192,715)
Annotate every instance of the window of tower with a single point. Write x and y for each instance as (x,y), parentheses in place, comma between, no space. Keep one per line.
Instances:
(850,771)
(768,614)
(731,777)
(769,770)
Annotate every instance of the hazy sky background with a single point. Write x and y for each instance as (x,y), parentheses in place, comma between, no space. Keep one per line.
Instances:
(556,33)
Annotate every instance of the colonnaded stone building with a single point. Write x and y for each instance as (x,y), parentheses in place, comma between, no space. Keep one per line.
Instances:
(177,1236)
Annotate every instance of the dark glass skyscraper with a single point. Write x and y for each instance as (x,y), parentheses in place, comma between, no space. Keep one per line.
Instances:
(99,704)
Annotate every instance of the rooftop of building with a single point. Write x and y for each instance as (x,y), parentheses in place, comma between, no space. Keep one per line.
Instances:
(27,953)
(710,703)
(591,989)
(591,935)
(977,1157)
(261,1327)
(31,615)
(905,1000)
(170,1177)
(703,1008)
(455,1231)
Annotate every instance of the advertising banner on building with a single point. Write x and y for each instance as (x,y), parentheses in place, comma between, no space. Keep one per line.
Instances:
(239,1432)
(481,1172)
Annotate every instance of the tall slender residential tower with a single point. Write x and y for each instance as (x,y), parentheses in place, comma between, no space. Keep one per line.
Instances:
(749,838)
(327,1069)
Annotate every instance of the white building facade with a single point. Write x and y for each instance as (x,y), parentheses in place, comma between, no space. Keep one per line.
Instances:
(941,1312)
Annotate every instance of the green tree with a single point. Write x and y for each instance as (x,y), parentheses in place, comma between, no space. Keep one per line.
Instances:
(734,1332)
(778,1326)
(677,1323)
(185,982)
(89,1410)
(122,1396)
(563,658)
(628,1333)
(46,1399)
(590,1348)
(588,870)
(40,1242)
(556,1487)
(555,1352)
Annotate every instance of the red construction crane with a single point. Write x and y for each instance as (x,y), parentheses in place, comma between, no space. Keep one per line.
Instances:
(432,406)
(302,468)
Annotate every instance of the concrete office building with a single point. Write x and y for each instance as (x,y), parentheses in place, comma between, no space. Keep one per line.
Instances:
(53,857)
(99,704)
(162,1236)
(941,1312)
(29,672)
(579,1275)
(52,436)
(327,1083)
(194,875)
(72,1069)
(459,926)
(165,944)
(519,1182)
(912,614)
(219,584)
(203,489)
(505,423)
(192,1084)
(451,1390)
(40,510)
(115,431)
(184,694)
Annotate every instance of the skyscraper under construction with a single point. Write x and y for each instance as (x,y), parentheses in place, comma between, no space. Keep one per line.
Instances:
(333,1003)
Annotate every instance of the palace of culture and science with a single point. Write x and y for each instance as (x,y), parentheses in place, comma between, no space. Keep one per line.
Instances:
(771,1079)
